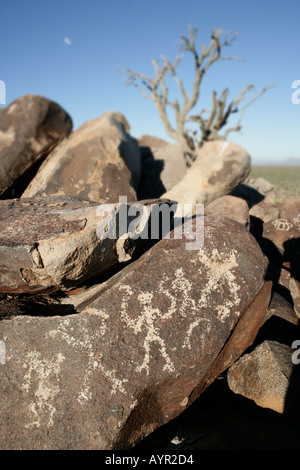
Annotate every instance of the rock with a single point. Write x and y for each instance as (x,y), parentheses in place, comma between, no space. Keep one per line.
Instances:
(295,293)
(295,283)
(162,168)
(29,127)
(264,187)
(281,322)
(261,185)
(129,362)
(149,143)
(281,281)
(218,169)
(249,194)
(281,239)
(264,375)
(60,242)
(265,210)
(289,208)
(100,161)
(230,206)
(281,308)
(222,420)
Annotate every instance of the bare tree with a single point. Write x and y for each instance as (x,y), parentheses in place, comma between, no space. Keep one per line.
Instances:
(155,89)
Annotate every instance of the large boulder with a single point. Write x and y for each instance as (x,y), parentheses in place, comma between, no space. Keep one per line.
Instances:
(100,161)
(220,167)
(163,166)
(230,206)
(29,127)
(157,335)
(290,208)
(281,239)
(295,283)
(59,242)
(264,210)
(263,186)
(264,375)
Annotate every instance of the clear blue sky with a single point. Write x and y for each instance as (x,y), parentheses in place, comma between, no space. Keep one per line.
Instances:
(81,72)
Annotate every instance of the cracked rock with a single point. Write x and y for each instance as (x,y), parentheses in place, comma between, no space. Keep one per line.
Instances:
(100,161)
(29,127)
(57,242)
(159,332)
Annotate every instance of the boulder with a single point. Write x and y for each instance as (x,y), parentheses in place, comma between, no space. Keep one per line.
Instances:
(100,161)
(262,186)
(29,127)
(221,420)
(59,242)
(249,194)
(230,206)
(281,239)
(149,143)
(295,283)
(281,323)
(220,166)
(264,375)
(295,293)
(290,208)
(264,210)
(163,166)
(280,277)
(130,361)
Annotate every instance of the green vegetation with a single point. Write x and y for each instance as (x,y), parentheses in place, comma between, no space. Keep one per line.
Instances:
(286,179)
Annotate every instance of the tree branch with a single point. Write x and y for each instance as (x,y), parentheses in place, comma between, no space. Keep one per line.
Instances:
(156,90)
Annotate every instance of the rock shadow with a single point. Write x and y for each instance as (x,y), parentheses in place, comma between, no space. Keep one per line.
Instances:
(151,185)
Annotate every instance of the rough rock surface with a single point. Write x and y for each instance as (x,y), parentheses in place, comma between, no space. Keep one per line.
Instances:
(29,127)
(230,206)
(218,169)
(265,210)
(222,420)
(60,242)
(289,208)
(263,186)
(148,143)
(139,354)
(295,282)
(100,161)
(281,239)
(163,166)
(264,375)
(279,307)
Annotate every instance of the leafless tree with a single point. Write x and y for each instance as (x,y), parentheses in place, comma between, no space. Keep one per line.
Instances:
(156,89)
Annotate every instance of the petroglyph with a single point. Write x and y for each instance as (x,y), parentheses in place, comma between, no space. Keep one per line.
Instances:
(147,318)
(47,373)
(219,274)
(179,293)
(282,224)
(296,221)
(84,345)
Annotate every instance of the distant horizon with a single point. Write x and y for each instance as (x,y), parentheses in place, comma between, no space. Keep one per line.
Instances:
(289,161)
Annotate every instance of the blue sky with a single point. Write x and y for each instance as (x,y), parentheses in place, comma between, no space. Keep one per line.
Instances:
(82,73)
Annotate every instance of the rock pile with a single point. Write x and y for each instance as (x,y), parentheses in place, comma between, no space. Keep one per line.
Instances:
(112,321)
